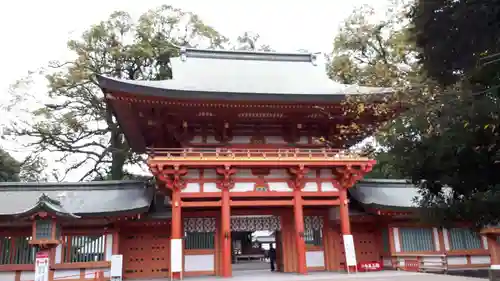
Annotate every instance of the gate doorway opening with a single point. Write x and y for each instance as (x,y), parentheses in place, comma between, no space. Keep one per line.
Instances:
(253,238)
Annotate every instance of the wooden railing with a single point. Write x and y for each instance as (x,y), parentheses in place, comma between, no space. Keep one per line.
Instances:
(421,262)
(249,154)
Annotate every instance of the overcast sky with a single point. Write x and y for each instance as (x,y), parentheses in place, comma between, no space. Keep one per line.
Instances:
(35,32)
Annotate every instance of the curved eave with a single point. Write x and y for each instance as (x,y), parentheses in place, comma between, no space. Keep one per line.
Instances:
(384,209)
(146,89)
(46,207)
(129,212)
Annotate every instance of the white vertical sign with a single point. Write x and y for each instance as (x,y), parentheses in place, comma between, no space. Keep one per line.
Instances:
(175,255)
(42,266)
(116,267)
(350,251)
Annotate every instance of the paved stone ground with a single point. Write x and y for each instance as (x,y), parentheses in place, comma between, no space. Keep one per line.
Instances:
(255,275)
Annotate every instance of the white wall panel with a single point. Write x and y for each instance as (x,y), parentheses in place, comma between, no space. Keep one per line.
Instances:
(315,258)
(199,262)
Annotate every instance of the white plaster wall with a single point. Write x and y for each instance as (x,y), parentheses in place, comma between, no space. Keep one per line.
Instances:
(109,246)
(325,173)
(311,174)
(210,174)
(279,186)
(27,275)
(480,260)
(197,139)
(315,258)
(277,174)
(397,243)
(240,139)
(192,174)
(58,255)
(446,239)
(243,174)
(310,186)
(211,140)
(210,187)
(192,187)
(243,187)
(199,262)
(437,245)
(90,273)
(328,186)
(7,276)
(457,260)
(303,140)
(275,140)
(67,274)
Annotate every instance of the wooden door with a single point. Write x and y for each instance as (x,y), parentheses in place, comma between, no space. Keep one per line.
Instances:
(145,254)
(365,243)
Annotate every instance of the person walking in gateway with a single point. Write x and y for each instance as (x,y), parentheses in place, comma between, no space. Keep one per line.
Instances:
(272,257)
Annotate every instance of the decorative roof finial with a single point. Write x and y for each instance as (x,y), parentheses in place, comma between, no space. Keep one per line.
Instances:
(183,53)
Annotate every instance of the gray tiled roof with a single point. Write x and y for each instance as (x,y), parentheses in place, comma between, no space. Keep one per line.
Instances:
(47,204)
(238,75)
(385,192)
(83,198)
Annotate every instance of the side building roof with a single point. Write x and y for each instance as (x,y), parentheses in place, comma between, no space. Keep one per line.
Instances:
(101,198)
(386,194)
(242,76)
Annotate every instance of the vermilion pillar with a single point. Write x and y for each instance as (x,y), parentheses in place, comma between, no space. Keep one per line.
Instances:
(299,232)
(345,224)
(226,233)
(176,227)
(494,251)
(225,185)
(176,215)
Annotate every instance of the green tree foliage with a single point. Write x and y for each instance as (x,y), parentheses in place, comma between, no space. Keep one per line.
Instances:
(74,120)
(30,169)
(451,136)
(9,167)
(250,41)
(376,53)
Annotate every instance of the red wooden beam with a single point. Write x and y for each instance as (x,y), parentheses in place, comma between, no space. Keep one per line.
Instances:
(261,203)
(257,163)
(320,202)
(194,204)
(247,194)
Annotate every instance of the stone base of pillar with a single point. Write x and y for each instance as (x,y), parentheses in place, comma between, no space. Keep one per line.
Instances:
(495,272)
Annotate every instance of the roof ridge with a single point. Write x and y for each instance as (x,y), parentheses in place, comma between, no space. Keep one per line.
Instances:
(94,185)
(247,55)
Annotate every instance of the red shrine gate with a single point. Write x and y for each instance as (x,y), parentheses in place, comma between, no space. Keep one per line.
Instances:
(293,203)
(225,140)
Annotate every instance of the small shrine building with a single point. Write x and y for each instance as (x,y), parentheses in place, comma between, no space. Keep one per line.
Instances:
(230,142)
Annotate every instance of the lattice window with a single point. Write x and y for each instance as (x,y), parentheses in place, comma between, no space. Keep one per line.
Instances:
(416,239)
(199,240)
(16,250)
(313,237)
(199,224)
(313,234)
(464,239)
(83,248)
(43,229)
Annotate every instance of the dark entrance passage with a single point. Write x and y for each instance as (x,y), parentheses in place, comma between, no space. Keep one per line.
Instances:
(252,238)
